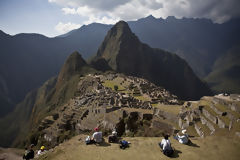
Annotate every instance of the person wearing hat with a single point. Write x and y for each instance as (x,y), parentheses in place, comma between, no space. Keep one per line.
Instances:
(97,136)
(113,137)
(42,149)
(183,139)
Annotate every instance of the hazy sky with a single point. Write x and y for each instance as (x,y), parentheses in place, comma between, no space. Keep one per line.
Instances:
(54,17)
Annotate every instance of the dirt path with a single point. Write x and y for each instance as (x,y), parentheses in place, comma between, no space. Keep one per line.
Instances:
(11,154)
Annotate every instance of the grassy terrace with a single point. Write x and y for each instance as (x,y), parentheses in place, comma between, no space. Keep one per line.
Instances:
(223,108)
(143,98)
(212,112)
(138,110)
(205,129)
(226,109)
(191,131)
(111,84)
(174,109)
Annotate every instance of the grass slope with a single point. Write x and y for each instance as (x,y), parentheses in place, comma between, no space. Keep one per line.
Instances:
(225,76)
(214,148)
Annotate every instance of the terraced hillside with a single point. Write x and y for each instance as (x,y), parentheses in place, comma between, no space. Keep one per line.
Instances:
(136,107)
(139,111)
(97,101)
(213,124)
(219,114)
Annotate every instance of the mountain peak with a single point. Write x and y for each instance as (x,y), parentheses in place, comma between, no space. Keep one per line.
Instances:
(3,34)
(122,24)
(171,18)
(125,53)
(72,65)
(150,17)
(120,28)
(118,36)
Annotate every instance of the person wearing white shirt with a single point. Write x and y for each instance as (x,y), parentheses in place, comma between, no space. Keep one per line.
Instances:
(183,139)
(165,143)
(166,146)
(97,136)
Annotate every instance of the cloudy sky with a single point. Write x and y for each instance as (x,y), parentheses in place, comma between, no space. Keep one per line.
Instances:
(55,17)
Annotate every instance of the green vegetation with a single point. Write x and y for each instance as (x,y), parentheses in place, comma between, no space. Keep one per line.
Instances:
(142,98)
(113,83)
(225,75)
(207,104)
(174,109)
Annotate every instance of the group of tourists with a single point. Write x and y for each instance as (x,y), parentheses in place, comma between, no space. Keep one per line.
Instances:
(97,138)
(165,144)
(29,152)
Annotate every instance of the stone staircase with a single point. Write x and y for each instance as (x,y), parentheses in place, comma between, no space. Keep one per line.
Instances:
(207,117)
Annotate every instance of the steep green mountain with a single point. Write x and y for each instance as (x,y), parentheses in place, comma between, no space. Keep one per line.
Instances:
(124,53)
(16,126)
(225,76)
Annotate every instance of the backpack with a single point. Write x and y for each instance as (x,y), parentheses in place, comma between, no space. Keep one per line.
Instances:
(88,140)
(112,139)
(31,154)
(124,144)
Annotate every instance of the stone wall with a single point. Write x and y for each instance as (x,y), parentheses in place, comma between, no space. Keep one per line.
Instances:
(208,124)
(199,130)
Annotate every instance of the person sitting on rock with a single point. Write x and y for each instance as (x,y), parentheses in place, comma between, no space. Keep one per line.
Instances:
(183,139)
(165,145)
(97,136)
(41,151)
(113,137)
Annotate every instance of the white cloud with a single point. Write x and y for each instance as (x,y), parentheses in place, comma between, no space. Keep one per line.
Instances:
(69,10)
(110,11)
(66,27)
